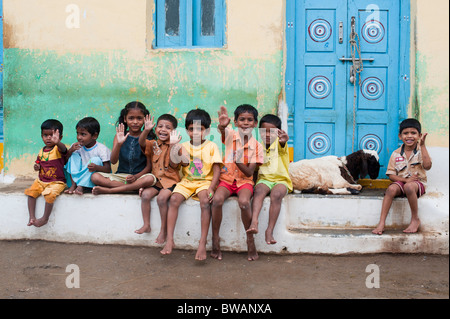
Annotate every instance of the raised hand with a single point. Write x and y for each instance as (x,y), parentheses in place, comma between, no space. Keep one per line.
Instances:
(56,136)
(175,137)
(149,122)
(120,134)
(224,119)
(423,138)
(283,137)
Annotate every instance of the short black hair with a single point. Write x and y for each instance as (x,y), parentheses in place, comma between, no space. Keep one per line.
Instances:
(90,124)
(52,124)
(411,123)
(246,108)
(170,118)
(271,119)
(198,115)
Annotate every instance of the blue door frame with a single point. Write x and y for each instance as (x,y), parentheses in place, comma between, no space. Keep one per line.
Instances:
(1,72)
(323,118)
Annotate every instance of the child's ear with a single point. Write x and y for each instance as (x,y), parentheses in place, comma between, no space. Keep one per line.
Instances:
(95,136)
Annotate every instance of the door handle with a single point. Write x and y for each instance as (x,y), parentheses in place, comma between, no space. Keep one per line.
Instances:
(344,59)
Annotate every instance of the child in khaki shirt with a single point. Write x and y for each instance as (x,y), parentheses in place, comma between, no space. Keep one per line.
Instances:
(406,170)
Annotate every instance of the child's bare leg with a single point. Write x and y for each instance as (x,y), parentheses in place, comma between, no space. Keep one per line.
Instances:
(44,219)
(276,197)
(391,192)
(100,180)
(411,190)
(72,187)
(163,204)
(205,208)
(244,200)
(259,194)
(172,214)
(146,196)
(143,182)
(31,210)
(220,196)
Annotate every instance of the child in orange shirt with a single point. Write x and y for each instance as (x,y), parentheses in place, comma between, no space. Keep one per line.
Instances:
(243,154)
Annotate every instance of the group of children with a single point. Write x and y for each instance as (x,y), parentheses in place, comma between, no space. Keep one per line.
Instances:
(151,159)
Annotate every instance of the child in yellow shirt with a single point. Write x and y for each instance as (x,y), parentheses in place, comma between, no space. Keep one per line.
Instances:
(273,175)
(201,162)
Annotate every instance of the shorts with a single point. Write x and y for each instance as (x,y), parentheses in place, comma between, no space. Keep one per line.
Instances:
(191,188)
(420,192)
(233,189)
(49,190)
(272,184)
(122,177)
(161,188)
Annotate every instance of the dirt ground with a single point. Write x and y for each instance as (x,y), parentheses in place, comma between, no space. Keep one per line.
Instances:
(38,269)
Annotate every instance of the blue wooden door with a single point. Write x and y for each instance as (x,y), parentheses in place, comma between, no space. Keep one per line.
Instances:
(330,115)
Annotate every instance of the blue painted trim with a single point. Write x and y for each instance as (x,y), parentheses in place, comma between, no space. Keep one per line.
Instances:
(405,51)
(190,28)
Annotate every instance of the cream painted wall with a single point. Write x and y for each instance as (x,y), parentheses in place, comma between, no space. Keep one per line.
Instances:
(254,27)
(432,68)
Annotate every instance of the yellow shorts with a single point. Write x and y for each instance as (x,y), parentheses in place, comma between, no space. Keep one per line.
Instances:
(122,178)
(49,190)
(191,188)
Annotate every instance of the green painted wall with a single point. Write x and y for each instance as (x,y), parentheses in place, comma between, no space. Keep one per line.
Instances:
(45,84)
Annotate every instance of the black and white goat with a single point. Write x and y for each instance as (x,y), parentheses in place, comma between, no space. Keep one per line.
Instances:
(334,175)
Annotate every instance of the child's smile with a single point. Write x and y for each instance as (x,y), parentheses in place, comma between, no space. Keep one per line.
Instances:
(163,130)
(410,137)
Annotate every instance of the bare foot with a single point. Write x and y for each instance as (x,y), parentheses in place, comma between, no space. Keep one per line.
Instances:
(253,229)
(143,229)
(167,250)
(31,222)
(70,190)
(100,190)
(201,252)
(40,222)
(216,252)
(161,239)
(79,190)
(413,227)
(379,230)
(269,238)
(252,254)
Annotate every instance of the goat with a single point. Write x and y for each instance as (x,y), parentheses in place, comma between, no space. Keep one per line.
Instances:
(334,175)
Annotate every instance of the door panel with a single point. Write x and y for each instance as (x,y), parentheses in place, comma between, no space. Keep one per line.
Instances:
(325,118)
(374,124)
(319,107)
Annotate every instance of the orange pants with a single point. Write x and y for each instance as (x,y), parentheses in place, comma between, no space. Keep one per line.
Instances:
(49,190)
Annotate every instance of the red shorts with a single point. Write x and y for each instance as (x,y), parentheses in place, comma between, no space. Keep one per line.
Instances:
(233,189)
(420,192)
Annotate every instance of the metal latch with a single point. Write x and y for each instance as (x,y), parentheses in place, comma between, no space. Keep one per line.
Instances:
(341,32)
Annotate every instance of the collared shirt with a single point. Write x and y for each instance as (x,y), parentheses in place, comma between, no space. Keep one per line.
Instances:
(202,159)
(236,152)
(405,167)
(159,154)
(276,165)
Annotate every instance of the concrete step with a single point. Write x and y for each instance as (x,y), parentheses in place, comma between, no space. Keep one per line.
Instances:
(331,224)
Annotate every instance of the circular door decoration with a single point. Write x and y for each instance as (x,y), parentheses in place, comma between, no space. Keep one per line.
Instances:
(319,143)
(373,31)
(320,30)
(372,88)
(371,142)
(319,87)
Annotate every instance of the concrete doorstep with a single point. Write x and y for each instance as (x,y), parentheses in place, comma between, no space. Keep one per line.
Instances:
(317,224)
